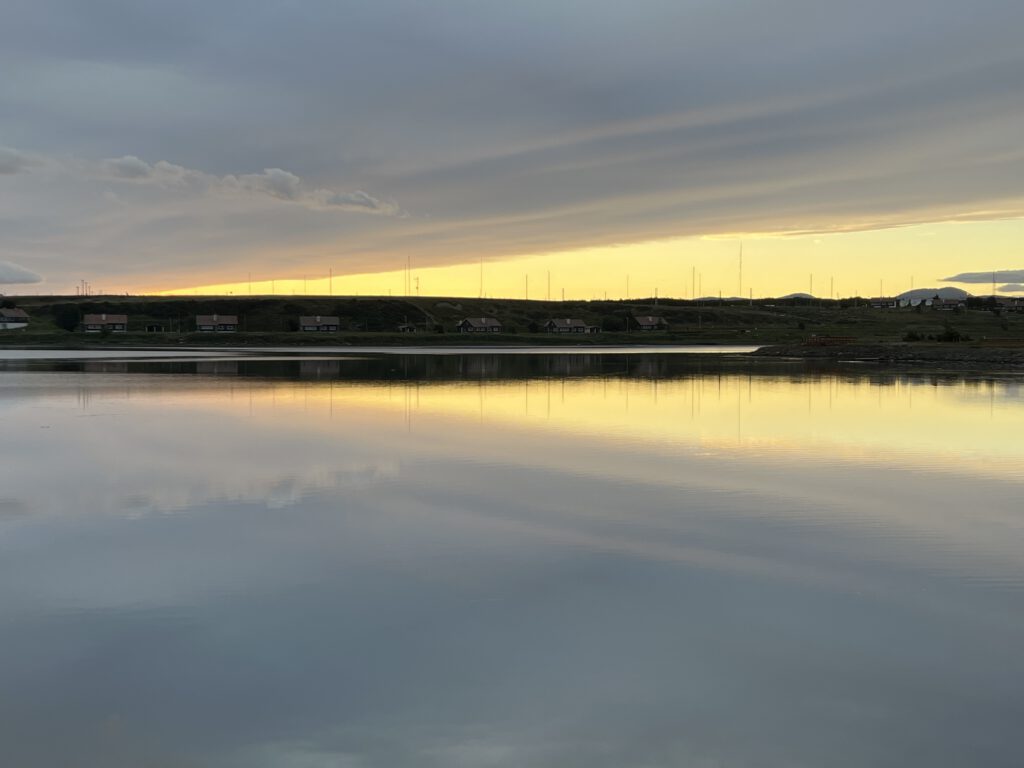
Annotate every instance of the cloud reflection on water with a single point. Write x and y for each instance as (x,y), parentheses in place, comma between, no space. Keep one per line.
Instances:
(595,571)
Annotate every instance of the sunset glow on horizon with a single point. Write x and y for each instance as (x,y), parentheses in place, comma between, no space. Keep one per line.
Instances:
(869,263)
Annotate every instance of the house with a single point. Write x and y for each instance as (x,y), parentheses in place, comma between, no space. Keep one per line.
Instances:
(479,325)
(884,303)
(915,303)
(569,325)
(13,319)
(105,322)
(1016,304)
(650,323)
(407,328)
(217,323)
(319,323)
(948,305)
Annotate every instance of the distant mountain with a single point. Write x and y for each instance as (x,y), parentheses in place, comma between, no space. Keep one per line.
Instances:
(798,296)
(930,293)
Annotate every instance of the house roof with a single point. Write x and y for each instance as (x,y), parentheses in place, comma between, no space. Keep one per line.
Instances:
(318,320)
(482,322)
(14,314)
(216,319)
(650,320)
(566,322)
(105,319)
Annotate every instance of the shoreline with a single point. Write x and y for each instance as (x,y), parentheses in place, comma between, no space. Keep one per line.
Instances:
(995,359)
(899,355)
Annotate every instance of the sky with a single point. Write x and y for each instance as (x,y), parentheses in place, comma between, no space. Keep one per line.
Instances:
(461,147)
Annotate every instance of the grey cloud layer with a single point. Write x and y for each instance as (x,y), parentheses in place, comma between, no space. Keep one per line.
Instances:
(12,274)
(1001,276)
(500,128)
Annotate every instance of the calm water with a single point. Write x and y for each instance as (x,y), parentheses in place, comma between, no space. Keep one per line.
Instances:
(556,561)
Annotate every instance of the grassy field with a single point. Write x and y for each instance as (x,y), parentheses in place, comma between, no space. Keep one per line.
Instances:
(271,321)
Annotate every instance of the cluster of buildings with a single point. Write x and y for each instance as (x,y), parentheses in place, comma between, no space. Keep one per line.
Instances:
(937,303)
(11,319)
(569,325)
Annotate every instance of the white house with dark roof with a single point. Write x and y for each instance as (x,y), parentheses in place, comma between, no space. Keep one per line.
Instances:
(319,323)
(569,325)
(217,323)
(13,319)
(479,325)
(650,323)
(105,322)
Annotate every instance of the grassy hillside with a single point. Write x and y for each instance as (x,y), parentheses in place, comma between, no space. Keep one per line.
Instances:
(375,320)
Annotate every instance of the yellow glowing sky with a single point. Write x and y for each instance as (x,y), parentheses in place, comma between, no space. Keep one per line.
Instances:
(853,263)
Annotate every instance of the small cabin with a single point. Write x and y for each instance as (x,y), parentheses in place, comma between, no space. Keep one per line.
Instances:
(217,323)
(650,323)
(407,328)
(319,323)
(104,322)
(479,325)
(569,325)
(13,319)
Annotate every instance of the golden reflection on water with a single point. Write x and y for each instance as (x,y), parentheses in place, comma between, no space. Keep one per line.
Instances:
(968,425)
(407,557)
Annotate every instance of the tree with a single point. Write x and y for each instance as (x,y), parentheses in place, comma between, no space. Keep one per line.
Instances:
(66,316)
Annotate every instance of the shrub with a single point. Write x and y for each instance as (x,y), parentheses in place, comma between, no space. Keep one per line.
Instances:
(66,316)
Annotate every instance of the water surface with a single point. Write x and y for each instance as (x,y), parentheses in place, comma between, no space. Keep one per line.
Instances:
(492,560)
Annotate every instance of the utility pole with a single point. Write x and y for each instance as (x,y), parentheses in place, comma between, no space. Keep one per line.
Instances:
(549,285)
(526,286)
(741,271)
(330,280)
(627,287)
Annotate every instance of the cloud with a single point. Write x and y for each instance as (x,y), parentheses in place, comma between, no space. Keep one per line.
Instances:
(999,275)
(275,183)
(505,129)
(12,161)
(12,274)
(128,167)
(1011,288)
